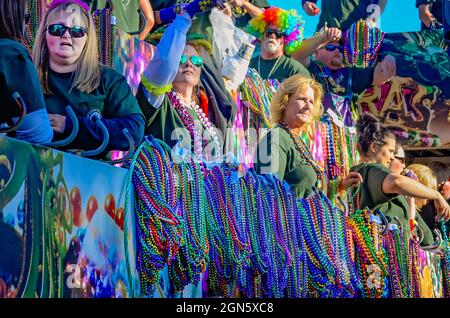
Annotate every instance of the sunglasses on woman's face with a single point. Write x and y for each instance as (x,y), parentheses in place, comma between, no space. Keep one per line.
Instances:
(195,60)
(59,30)
(332,47)
(402,160)
(278,34)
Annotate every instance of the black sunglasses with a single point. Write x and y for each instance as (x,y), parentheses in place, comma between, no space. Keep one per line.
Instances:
(278,34)
(332,47)
(59,30)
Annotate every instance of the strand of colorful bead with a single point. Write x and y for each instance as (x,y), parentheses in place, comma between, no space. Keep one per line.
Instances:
(252,237)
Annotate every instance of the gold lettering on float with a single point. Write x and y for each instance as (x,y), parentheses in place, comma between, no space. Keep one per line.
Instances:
(404,96)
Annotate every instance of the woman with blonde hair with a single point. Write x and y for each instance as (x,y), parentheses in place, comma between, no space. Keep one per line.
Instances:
(441,171)
(425,176)
(66,57)
(296,105)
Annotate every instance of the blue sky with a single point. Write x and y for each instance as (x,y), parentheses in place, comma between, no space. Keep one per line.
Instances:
(399,15)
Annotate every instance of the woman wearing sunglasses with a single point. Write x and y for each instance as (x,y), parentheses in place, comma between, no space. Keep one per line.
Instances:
(18,74)
(171,97)
(66,56)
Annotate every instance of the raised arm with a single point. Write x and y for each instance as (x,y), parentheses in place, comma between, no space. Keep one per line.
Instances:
(251,8)
(310,45)
(147,10)
(163,68)
(394,183)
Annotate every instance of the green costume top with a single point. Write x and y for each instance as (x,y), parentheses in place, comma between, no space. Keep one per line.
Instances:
(342,13)
(113,98)
(278,154)
(18,74)
(162,122)
(372,196)
(279,68)
(125,11)
(165,123)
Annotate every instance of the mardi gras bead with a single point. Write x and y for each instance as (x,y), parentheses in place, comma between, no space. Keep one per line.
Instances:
(363,43)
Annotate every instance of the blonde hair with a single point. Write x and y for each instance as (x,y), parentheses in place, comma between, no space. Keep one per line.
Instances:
(425,176)
(294,85)
(87,72)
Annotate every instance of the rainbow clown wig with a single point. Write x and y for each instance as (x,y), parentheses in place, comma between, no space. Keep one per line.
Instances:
(289,22)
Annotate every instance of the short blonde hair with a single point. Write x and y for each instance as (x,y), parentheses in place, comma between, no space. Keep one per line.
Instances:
(425,176)
(87,72)
(294,85)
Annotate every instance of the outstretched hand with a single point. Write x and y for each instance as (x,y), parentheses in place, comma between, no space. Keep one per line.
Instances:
(442,208)
(311,8)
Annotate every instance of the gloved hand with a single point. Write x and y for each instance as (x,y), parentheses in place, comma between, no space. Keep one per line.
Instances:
(167,15)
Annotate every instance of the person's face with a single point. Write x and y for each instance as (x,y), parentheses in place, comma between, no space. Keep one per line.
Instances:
(272,40)
(331,55)
(397,165)
(299,108)
(385,154)
(188,72)
(65,49)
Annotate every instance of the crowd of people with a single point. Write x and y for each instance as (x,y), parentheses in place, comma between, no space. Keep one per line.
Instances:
(183,102)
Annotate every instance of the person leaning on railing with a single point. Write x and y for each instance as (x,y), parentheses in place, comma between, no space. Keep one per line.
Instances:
(385,190)
(66,57)
(18,74)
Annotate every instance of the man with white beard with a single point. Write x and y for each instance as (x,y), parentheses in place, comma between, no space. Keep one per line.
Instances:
(275,44)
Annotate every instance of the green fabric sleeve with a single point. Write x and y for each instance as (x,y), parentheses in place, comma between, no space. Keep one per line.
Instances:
(298,68)
(373,183)
(260,3)
(371,194)
(120,100)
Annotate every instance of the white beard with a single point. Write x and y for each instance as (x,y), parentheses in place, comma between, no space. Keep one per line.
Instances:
(271,47)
